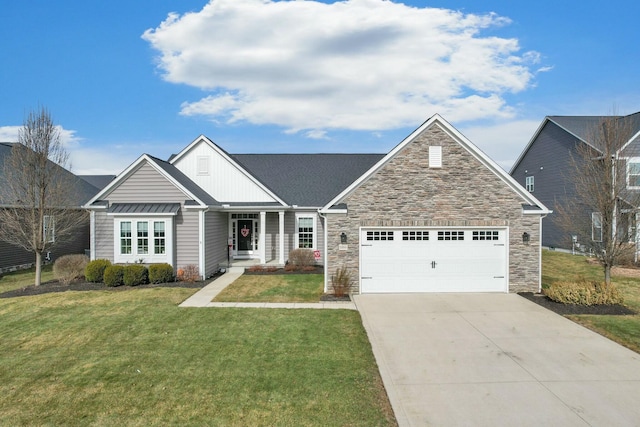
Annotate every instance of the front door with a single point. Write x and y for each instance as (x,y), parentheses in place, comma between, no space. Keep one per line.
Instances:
(245,235)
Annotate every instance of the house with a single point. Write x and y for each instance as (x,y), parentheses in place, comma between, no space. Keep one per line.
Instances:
(433,215)
(13,257)
(545,168)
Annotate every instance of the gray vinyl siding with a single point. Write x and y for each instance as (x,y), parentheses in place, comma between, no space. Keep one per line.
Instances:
(186,225)
(272,235)
(146,185)
(14,257)
(216,231)
(103,224)
(548,160)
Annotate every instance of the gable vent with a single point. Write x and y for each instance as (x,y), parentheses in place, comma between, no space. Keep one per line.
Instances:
(435,156)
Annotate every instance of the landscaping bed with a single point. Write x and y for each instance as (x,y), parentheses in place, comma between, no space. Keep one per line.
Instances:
(569,309)
(267,271)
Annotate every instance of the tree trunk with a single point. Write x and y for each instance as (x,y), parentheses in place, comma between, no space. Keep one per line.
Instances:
(607,275)
(38,268)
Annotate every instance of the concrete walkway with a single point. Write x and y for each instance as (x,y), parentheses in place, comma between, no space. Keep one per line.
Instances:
(203,297)
(496,360)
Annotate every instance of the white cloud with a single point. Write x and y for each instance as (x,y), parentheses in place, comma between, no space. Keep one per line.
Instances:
(68,137)
(503,142)
(354,64)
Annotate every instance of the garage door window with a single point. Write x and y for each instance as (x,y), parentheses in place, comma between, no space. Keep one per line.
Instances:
(379,235)
(486,235)
(415,235)
(450,235)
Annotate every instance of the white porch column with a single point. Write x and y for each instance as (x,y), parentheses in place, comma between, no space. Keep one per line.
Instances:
(262,247)
(281,237)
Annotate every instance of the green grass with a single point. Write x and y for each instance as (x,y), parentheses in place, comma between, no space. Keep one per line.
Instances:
(134,358)
(22,278)
(625,330)
(274,288)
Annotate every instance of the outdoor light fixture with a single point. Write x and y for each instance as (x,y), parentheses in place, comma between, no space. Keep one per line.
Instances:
(343,238)
(525,238)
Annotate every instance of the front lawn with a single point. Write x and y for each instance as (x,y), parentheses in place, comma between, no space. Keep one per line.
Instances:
(274,288)
(22,278)
(134,358)
(625,330)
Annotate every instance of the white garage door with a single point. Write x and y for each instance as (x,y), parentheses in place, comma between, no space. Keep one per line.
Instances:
(433,260)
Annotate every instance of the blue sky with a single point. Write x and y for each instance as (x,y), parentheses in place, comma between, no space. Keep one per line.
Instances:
(124,78)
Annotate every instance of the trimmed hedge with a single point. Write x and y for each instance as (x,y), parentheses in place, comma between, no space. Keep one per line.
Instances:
(135,274)
(160,273)
(68,268)
(94,271)
(302,257)
(584,293)
(113,275)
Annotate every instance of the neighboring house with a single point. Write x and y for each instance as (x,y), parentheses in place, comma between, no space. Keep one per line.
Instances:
(433,215)
(545,168)
(13,257)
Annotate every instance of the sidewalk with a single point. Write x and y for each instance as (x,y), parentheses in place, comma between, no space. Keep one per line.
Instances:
(203,297)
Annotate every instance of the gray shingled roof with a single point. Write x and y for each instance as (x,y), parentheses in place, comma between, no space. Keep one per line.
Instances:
(582,126)
(307,179)
(98,181)
(82,190)
(186,182)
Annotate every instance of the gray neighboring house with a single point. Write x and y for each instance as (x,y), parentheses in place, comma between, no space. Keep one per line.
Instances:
(544,167)
(15,258)
(433,215)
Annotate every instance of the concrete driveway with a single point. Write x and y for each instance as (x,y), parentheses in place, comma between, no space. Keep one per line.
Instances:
(496,360)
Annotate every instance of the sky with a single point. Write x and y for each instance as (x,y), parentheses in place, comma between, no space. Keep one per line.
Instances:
(122,78)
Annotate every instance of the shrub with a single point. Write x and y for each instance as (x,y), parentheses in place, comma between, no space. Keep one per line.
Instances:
(94,271)
(188,273)
(160,273)
(290,267)
(271,269)
(341,281)
(301,257)
(584,293)
(113,275)
(68,268)
(135,274)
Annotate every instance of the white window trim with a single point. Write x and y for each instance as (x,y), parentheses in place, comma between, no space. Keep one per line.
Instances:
(529,183)
(150,257)
(49,228)
(593,228)
(314,236)
(631,160)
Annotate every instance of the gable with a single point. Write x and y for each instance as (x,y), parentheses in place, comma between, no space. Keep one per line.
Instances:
(404,176)
(216,173)
(144,184)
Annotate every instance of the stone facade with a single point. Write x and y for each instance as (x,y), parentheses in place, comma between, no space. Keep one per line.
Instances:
(463,192)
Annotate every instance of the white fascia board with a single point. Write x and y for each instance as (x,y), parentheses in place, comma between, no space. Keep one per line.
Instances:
(626,144)
(530,212)
(333,211)
(225,156)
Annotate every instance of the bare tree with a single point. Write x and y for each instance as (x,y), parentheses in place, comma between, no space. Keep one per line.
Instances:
(40,202)
(602,213)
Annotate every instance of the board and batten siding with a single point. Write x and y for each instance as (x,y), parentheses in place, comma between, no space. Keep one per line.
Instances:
(216,235)
(227,184)
(146,185)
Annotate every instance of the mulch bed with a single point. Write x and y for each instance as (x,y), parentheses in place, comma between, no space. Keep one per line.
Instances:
(565,309)
(333,298)
(56,286)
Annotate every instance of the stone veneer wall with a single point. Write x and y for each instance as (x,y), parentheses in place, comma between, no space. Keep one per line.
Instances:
(463,192)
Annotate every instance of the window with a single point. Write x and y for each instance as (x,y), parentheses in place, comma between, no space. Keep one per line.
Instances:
(485,235)
(146,239)
(143,238)
(596,226)
(379,235)
(633,172)
(450,235)
(125,237)
(49,229)
(415,235)
(529,184)
(435,156)
(158,237)
(306,231)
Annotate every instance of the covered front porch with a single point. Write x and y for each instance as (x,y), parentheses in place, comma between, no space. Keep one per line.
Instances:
(257,237)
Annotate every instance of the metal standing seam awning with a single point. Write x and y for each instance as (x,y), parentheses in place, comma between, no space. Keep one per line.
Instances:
(143,209)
